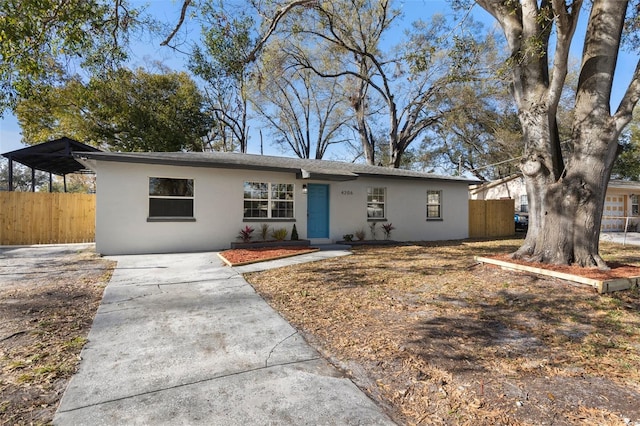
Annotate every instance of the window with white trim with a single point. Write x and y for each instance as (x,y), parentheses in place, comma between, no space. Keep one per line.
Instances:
(434,205)
(170,198)
(634,205)
(268,200)
(376,203)
(524,204)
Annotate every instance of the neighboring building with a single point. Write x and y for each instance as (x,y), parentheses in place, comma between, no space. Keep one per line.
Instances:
(620,207)
(510,187)
(178,202)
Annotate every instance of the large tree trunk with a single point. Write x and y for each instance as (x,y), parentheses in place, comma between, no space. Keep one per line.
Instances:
(367,140)
(571,229)
(540,171)
(566,198)
(572,220)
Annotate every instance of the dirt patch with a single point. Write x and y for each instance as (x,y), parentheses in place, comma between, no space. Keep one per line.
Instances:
(48,299)
(237,257)
(437,339)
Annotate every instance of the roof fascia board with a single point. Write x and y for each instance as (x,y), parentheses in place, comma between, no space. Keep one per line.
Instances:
(338,177)
(488,185)
(431,178)
(184,163)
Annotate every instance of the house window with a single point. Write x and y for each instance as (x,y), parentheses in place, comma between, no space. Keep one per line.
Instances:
(634,205)
(434,205)
(268,200)
(170,198)
(524,204)
(376,199)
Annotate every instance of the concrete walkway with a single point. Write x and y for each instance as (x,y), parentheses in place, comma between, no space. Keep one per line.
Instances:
(181,340)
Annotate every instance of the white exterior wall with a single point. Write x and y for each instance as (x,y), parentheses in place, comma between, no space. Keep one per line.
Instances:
(406,209)
(123,207)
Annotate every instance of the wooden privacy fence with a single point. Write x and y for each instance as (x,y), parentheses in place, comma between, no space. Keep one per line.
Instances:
(46,218)
(491,218)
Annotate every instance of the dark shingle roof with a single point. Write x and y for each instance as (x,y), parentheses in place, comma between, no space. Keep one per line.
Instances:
(303,168)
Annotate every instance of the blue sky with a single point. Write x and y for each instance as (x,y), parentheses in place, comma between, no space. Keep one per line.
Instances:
(148,50)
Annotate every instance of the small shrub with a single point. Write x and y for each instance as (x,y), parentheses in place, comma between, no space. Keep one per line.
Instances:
(361,234)
(387,228)
(279,234)
(75,343)
(373,229)
(294,233)
(264,231)
(347,237)
(245,234)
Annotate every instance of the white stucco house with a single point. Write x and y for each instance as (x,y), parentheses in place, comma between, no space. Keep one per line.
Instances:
(180,202)
(620,207)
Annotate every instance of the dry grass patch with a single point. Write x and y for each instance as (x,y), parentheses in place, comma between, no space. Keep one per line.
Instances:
(47,306)
(438,339)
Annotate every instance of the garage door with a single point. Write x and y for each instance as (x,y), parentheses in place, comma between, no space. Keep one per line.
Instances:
(613,216)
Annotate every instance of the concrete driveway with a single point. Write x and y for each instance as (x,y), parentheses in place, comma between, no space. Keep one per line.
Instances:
(179,339)
(629,238)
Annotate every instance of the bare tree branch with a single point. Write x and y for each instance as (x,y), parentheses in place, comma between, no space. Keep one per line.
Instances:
(281,13)
(183,13)
(624,113)
(566,23)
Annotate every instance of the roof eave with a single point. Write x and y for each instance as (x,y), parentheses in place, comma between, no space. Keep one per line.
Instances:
(316,172)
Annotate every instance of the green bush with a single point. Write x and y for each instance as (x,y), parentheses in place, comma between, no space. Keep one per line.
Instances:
(279,234)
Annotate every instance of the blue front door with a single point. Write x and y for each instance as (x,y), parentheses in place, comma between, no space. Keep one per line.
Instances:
(317,211)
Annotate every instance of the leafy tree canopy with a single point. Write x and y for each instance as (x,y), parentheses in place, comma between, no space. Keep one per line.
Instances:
(123,110)
(627,165)
(221,62)
(41,39)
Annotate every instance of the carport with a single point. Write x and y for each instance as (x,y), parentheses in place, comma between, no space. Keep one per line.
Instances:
(54,157)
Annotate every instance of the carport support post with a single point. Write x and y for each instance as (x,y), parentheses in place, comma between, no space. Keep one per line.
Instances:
(50,182)
(64,182)
(10,174)
(33,180)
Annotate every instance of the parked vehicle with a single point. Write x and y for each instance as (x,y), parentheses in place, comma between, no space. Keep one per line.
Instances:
(521,221)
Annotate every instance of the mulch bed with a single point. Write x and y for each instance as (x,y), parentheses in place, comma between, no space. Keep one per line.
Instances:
(617,270)
(239,257)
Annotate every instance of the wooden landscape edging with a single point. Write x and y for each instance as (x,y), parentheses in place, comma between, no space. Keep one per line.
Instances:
(602,286)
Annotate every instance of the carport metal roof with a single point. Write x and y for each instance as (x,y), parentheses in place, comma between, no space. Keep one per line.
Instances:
(55,157)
